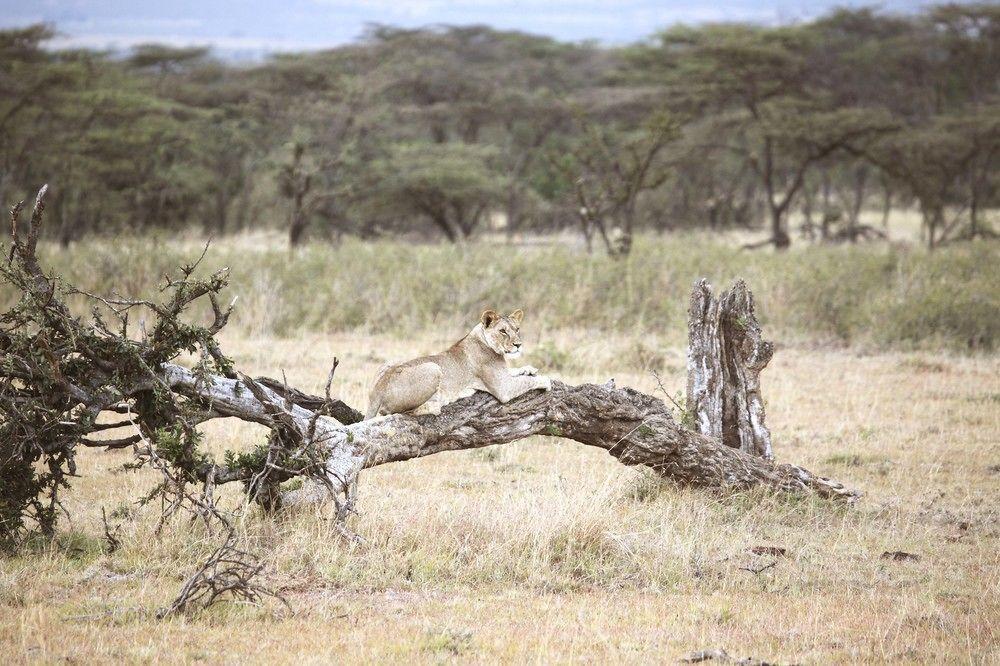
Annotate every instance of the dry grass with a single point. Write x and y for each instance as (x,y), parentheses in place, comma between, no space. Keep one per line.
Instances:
(879,296)
(546,551)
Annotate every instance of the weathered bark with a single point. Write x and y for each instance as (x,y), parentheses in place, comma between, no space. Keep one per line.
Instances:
(338,409)
(726,355)
(635,428)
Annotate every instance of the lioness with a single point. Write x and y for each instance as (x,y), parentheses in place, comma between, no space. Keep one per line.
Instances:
(475,362)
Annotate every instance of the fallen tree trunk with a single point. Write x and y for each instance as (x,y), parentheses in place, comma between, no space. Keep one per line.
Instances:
(633,427)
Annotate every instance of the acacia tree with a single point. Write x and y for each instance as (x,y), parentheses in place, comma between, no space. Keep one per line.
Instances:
(609,167)
(756,84)
(529,122)
(476,86)
(169,137)
(949,166)
(452,185)
(34,87)
(425,74)
(793,141)
(60,372)
(296,180)
(337,131)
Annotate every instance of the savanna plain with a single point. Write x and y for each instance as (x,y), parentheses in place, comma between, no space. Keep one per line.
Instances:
(885,378)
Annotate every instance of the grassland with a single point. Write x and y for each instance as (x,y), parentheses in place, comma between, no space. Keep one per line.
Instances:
(544,550)
(876,297)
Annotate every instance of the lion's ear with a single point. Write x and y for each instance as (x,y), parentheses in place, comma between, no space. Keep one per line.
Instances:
(516,316)
(489,318)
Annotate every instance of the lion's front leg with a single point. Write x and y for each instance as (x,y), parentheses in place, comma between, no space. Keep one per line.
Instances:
(432,406)
(524,371)
(505,387)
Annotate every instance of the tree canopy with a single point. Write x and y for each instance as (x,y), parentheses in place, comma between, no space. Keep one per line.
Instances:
(432,131)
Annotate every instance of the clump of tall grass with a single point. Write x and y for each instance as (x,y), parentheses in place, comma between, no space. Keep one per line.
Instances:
(880,296)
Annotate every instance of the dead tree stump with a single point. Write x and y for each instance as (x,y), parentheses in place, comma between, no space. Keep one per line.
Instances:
(725,357)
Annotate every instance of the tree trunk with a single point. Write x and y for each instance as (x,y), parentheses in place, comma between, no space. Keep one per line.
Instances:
(974,226)
(854,203)
(725,358)
(242,216)
(598,224)
(513,212)
(635,428)
(71,213)
(779,236)
(808,227)
(728,447)
(587,229)
(299,216)
(933,220)
(221,221)
(297,228)
(829,215)
(465,221)
(452,233)
(886,206)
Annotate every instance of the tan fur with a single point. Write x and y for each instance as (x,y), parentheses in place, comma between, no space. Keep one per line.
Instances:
(475,363)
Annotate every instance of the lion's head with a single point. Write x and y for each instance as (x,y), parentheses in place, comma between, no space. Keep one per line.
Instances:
(502,333)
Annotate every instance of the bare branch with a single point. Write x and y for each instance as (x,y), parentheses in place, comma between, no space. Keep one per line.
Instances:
(227,572)
(111,444)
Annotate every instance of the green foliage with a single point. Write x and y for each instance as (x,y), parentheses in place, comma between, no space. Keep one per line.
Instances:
(252,461)
(179,447)
(165,59)
(19,496)
(949,161)
(452,185)
(60,371)
(434,131)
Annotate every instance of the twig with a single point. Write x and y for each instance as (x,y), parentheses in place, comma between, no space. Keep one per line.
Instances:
(114,543)
(663,389)
(228,571)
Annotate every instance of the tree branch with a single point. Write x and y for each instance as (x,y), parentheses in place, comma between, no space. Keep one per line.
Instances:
(635,428)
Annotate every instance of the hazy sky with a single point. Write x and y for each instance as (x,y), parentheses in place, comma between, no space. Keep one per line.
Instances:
(279,25)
